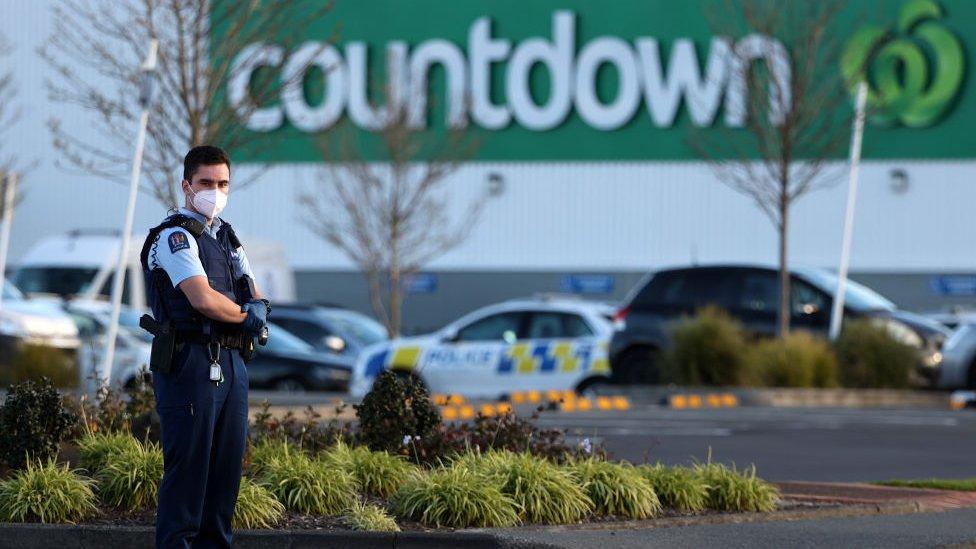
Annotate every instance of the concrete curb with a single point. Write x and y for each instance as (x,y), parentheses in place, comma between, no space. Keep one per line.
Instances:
(85,536)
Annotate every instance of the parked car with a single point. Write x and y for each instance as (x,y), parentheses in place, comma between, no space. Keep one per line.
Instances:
(34,322)
(289,364)
(958,369)
(751,295)
(132,344)
(81,264)
(547,343)
(329,329)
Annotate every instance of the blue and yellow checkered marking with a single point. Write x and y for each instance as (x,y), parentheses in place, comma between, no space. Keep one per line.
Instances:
(400,358)
(550,357)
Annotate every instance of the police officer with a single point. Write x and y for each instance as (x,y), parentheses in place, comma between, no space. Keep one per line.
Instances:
(201,289)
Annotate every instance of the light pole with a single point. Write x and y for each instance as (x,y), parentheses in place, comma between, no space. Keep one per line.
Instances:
(147,89)
(9,183)
(837,315)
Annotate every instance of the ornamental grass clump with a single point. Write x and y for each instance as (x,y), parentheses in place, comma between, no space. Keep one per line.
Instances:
(735,491)
(677,487)
(97,449)
(308,485)
(130,479)
(256,506)
(370,518)
(379,474)
(545,492)
(46,493)
(617,489)
(264,451)
(455,497)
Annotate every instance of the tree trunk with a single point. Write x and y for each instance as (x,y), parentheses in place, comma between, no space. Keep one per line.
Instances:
(783,328)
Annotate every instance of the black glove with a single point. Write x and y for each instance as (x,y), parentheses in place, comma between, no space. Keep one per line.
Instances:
(257,316)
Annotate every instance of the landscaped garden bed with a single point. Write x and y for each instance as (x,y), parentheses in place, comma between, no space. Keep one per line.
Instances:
(399,467)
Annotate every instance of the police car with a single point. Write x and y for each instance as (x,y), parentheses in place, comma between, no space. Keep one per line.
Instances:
(520,345)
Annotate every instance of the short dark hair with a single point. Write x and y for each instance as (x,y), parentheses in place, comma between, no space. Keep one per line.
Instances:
(203,155)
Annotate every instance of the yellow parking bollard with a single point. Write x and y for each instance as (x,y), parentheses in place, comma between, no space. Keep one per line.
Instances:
(729,400)
(584,404)
(449,413)
(553,395)
(621,403)
(534,397)
(569,395)
(440,400)
(568,406)
(694,401)
(679,401)
(603,403)
(714,401)
(503,408)
(518,397)
(487,410)
(466,411)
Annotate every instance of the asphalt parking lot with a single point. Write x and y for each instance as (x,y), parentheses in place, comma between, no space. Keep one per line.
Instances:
(842,445)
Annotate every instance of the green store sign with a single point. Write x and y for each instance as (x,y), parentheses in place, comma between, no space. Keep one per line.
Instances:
(580,80)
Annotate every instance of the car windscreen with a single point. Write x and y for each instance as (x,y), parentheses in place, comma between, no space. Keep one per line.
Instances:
(54,280)
(856,296)
(283,341)
(364,331)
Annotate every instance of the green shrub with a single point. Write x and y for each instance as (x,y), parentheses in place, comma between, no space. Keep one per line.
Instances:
(708,349)
(46,493)
(33,422)
(396,407)
(735,491)
(797,360)
(97,449)
(378,473)
(370,518)
(307,485)
(256,506)
(130,479)
(264,451)
(37,361)
(545,492)
(617,489)
(871,357)
(677,487)
(455,497)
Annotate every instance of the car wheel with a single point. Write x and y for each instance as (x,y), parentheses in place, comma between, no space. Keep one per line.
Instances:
(638,366)
(289,385)
(593,387)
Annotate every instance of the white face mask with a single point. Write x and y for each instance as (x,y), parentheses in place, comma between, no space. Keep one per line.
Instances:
(209,202)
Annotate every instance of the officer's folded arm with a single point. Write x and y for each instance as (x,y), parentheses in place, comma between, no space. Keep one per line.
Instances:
(209,302)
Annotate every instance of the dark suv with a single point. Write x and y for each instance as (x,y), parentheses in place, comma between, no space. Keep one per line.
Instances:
(751,295)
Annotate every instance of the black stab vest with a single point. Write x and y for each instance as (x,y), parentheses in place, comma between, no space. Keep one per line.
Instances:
(168,303)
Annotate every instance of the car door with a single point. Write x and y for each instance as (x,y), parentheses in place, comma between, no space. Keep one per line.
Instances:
(555,354)
(756,300)
(310,332)
(468,363)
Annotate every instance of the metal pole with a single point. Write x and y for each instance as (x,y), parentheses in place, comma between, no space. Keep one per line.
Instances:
(9,183)
(122,264)
(837,315)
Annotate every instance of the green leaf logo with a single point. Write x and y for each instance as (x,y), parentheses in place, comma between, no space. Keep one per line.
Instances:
(896,66)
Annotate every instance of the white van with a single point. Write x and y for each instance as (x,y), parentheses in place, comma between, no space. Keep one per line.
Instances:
(81,264)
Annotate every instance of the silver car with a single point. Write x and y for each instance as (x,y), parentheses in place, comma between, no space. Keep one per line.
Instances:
(959,358)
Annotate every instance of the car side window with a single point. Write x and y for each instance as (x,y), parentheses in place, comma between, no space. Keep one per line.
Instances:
(545,326)
(692,288)
(760,292)
(806,300)
(497,327)
(557,325)
(308,332)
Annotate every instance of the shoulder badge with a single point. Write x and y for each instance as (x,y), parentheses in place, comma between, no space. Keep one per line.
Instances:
(178,241)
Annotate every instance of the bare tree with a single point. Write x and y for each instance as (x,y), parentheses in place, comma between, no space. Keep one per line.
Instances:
(9,116)
(200,44)
(796,114)
(391,218)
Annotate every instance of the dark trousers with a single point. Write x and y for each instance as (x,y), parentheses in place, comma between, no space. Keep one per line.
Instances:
(203,435)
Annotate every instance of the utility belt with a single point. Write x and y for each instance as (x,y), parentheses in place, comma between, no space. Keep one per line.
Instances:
(168,341)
